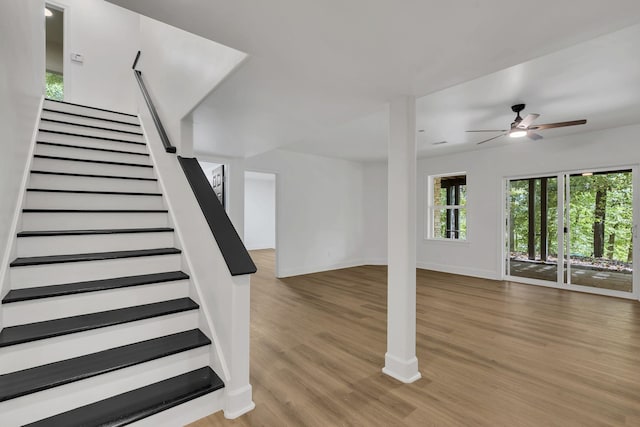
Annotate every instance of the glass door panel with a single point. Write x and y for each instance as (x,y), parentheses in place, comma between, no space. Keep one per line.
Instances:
(532,207)
(599,239)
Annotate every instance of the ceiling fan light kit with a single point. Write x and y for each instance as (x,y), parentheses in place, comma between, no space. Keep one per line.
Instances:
(524,127)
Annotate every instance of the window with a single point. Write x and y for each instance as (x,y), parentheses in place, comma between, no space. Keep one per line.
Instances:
(448,206)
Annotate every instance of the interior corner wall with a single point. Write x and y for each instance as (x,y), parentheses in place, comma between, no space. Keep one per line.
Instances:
(486,169)
(108,37)
(259,211)
(21,89)
(319,210)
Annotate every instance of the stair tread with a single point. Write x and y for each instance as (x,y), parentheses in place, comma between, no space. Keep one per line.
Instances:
(135,405)
(126,141)
(61,122)
(49,110)
(13,335)
(39,378)
(85,175)
(80,147)
(121,193)
(103,162)
(27,294)
(46,233)
(96,256)
(93,108)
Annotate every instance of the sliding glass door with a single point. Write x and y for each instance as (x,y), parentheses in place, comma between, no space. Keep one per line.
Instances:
(572,230)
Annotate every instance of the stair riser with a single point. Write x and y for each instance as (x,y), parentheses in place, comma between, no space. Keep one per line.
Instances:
(57,106)
(90,122)
(54,165)
(50,402)
(38,221)
(63,182)
(186,413)
(20,313)
(44,200)
(36,353)
(69,272)
(91,142)
(53,150)
(44,125)
(56,245)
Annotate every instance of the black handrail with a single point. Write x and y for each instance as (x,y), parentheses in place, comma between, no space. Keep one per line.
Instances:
(233,250)
(168,147)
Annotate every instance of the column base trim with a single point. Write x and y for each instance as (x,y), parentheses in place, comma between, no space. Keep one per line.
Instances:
(238,403)
(405,371)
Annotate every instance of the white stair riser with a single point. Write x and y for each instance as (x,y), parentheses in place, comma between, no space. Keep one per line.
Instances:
(90,142)
(89,121)
(41,352)
(46,200)
(77,109)
(69,272)
(21,313)
(60,127)
(53,150)
(38,221)
(64,182)
(54,165)
(185,413)
(60,399)
(56,245)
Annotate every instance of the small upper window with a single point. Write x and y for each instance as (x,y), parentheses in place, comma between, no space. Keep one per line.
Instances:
(448,206)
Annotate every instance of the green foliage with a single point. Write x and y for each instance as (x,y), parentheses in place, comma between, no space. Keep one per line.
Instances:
(55,86)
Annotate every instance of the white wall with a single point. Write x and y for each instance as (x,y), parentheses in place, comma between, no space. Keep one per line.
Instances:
(21,88)
(374,249)
(319,210)
(259,210)
(486,168)
(108,36)
(180,69)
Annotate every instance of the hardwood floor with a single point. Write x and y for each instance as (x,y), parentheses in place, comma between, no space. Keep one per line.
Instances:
(490,353)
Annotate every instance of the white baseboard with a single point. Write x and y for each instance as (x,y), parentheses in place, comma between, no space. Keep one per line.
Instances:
(260,247)
(455,269)
(289,272)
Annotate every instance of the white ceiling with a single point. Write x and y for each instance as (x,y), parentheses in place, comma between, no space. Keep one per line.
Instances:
(320,72)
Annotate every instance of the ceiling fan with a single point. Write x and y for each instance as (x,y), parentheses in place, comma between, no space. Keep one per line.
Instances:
(524,127)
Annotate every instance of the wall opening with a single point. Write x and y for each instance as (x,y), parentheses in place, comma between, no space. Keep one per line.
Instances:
(54,48)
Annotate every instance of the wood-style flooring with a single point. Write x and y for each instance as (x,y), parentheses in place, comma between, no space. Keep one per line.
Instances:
(491,354)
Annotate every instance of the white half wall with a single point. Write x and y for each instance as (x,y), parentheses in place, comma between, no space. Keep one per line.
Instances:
(108,37)
(21,88)
(319,210)
(259,210)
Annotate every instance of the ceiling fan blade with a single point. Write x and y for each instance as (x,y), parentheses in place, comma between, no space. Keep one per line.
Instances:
(490,139)
(558,125)
(534,136)
(527,121)
(488,130)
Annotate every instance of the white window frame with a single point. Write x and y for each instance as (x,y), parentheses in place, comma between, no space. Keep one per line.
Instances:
(431,209)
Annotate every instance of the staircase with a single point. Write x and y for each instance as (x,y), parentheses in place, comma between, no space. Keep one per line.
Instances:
(99,328)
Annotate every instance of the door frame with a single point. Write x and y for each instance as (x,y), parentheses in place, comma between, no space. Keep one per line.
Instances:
(66,54)
(562,221)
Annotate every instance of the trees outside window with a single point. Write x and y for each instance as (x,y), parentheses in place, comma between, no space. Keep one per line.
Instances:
(448,206)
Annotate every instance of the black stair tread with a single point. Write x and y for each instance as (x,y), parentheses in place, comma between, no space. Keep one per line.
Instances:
(61,122)
(58,132)
(80,147)
(103,162)
(86,175)
(126,408)
(93,108)
(49,110)
(96,210)
(13,335)
(39,378)
(46,233)
(96,256)
(27,294)
(118,193)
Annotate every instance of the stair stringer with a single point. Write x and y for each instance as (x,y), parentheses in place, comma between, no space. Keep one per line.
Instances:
(224,299)
(11,243)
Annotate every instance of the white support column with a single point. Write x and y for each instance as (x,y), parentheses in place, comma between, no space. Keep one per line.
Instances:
(400,360)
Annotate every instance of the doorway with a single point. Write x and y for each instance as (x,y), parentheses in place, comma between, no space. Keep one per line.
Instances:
(260,215)
(572,230)
(54,48)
